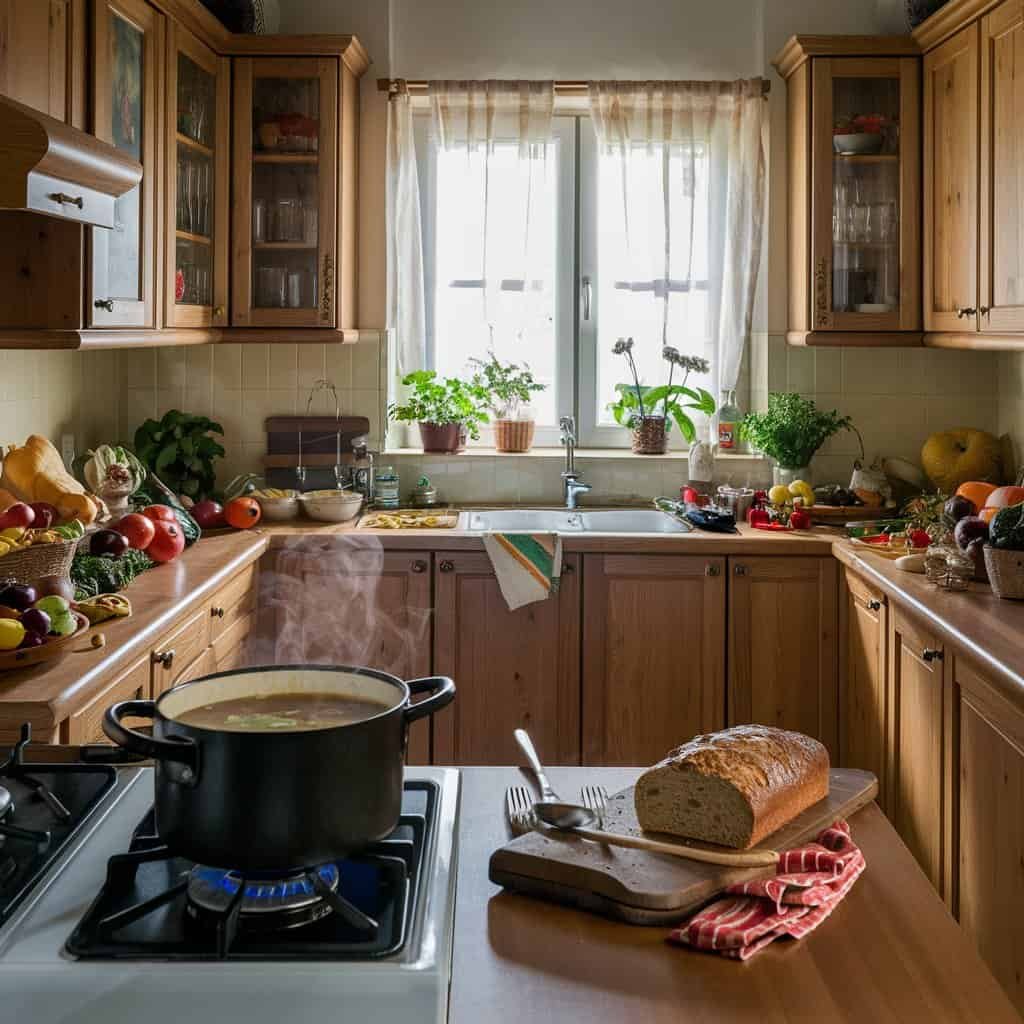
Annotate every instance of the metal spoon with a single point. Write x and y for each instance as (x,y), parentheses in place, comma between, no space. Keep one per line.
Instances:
(551,809)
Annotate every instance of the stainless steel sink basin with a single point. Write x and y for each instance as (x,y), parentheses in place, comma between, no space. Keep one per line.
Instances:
(528,520)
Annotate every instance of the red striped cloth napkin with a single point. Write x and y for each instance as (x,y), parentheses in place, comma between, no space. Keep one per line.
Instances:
(808,884)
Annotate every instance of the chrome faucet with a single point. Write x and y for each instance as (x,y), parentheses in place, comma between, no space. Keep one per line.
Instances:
(571,485)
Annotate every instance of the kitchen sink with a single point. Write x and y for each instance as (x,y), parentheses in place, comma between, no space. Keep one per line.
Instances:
(527,520)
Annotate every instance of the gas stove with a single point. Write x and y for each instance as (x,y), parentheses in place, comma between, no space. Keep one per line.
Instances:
(116,926)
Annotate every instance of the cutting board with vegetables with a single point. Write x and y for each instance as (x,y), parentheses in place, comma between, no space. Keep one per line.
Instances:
(646,888)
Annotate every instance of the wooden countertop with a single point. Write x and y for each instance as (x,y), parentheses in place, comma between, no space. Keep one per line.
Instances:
(890,951)
(159,597)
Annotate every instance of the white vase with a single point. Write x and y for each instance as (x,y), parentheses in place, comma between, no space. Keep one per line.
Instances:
(785,475)
(702,462)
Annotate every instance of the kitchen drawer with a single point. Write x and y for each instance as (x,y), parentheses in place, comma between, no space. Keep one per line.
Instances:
(229,647)
(233,601)
(178,649)
(86,724)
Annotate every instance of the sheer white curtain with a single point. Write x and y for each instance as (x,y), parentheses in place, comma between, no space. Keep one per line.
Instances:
(686,163)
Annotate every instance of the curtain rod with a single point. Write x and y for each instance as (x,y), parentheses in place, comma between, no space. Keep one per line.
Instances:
(396,86)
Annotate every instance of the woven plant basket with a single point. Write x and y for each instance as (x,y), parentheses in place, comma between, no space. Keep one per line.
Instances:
(513,435)
(26,565)
(1005,572)
(650,436)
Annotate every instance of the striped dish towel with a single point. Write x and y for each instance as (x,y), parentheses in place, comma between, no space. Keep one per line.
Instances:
(808,884)
(528,565)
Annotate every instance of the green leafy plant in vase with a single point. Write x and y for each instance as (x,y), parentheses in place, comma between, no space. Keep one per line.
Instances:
(650,411)
(446,409)
(790,431)
(179,450)
(508,387)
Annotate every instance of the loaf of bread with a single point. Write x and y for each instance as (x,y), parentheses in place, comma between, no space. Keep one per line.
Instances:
(733,787)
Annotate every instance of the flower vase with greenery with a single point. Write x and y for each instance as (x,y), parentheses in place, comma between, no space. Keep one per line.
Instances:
(508,387)
(791,430)
(650,411)
(446,410)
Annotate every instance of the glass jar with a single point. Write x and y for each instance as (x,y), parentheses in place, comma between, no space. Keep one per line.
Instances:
(386,487)
(729,417)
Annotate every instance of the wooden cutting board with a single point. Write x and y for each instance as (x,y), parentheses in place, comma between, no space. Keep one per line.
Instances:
(652,888)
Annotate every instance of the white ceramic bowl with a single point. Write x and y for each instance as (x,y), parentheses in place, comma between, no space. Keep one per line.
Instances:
(331,506)
(858,142)
(279,510)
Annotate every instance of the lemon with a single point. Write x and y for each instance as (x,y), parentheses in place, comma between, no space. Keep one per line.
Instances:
(779,494)
(12,632)
(802,489)
(13,533)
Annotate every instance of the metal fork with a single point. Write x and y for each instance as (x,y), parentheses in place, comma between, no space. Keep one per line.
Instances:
(519,808)
(596,799)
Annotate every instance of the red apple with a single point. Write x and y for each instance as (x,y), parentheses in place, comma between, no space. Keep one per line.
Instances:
(19,514)
(46,514)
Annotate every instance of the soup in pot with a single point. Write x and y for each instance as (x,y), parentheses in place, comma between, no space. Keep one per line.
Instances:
(282,712)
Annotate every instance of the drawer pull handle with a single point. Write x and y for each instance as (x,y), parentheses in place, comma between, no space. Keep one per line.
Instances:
(165,658)
(739,570)
(713,570)
(962,311)
(107,304)
(931,654)
(419,565)
(62,197)
(447,566)
(567,569)
(874,605)
(217,613)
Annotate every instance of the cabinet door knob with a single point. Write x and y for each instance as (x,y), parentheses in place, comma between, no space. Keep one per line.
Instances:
(739,570)
(165,658)
(568,569)
(217,613)
(931,654)
(874,605)
(107,304)
(419,565)
(62,197)
(984,310)
(713,570)
(447,566)
(962,311)
(218,310)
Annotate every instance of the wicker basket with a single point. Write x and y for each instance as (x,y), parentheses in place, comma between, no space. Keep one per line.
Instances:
(513,435)
(1006,572)
(26,565)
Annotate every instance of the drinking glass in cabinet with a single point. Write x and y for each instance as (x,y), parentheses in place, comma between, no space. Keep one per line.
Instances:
(271,287)
(259,220)
(310,223)
(197,97)
(287,220)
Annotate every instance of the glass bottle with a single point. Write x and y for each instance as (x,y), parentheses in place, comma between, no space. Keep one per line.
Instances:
(386,486)
(729,417)
(701,459)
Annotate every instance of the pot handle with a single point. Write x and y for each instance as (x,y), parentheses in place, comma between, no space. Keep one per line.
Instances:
(444,695)
(182,755)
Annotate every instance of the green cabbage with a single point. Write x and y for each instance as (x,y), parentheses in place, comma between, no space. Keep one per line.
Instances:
(1006,530)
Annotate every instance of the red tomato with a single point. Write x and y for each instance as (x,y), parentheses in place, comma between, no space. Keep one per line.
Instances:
(160,513)
(168,542)
(241,513)
(919,538)
(138,529)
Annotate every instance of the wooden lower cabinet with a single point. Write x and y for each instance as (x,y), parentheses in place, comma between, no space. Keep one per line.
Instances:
(990,805)
(86,724)
(181,651)
(918,738)
(356,607)
(512,668)
(653,654)
(863,695)
(782,644)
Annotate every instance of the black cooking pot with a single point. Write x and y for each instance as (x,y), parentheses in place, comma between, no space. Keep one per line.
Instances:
(264,802)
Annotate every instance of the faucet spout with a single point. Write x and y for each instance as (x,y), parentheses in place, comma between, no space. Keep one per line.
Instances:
(571,485)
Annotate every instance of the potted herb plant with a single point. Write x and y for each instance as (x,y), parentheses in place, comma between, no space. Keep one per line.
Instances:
(508,387)
(790,432)
(650,411)
(179,450)
(445,409)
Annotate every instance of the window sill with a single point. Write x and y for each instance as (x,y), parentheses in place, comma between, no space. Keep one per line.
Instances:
(582,454)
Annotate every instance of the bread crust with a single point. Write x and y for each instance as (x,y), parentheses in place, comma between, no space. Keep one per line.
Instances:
(777,773)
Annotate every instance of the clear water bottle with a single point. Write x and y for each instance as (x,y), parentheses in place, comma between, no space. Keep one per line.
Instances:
(729,417)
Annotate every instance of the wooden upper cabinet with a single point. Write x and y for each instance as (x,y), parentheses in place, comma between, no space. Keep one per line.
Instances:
(782,644)
(863,692)
(1001,297)
(951,183)
(919,731)
(42,56)
(653,654)
(197,159)
(128,56)
(285,192)
(512,668)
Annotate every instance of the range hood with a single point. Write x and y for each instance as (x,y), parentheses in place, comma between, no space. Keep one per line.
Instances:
(46,166)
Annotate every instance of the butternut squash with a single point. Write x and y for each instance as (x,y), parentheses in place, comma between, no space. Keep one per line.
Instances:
(35,472)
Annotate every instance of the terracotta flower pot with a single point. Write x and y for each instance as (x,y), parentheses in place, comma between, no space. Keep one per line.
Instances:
(442,438)
(650,436)
(513,435)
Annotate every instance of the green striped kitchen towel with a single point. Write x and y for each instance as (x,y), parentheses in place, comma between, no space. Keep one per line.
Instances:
(528,565)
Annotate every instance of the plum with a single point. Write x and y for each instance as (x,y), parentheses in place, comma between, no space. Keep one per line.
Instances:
(958,507)
(968,529)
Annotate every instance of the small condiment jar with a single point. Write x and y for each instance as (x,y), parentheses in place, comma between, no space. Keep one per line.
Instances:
(424,494)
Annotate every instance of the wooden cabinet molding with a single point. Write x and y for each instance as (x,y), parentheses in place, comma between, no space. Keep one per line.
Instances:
(653,654)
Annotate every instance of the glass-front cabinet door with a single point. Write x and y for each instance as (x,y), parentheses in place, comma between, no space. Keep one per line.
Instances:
(127,52)
(865,221)
(285,192)
(198,180)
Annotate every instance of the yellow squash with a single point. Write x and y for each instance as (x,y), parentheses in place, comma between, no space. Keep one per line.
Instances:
(35,472)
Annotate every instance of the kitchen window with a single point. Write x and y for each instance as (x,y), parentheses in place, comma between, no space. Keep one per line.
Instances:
(561,310)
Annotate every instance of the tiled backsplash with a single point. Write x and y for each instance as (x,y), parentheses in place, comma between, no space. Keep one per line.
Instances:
(1011,398)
